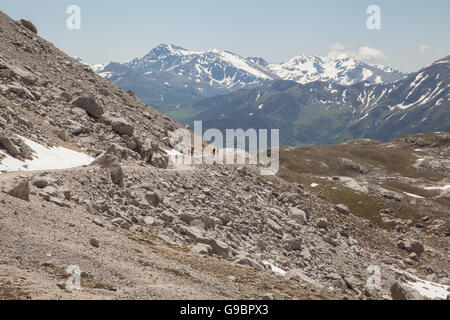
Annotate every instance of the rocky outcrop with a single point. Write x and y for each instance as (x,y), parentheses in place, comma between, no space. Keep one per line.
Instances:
(29,25)
(122,127)
(15,146)
(88,104)
(401,292)
(20,190)
(413,246)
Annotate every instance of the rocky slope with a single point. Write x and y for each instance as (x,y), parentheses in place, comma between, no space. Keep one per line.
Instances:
(416,104)
(140,227)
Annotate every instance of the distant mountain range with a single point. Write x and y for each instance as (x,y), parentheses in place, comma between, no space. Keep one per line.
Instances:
(328,112)
(170,74)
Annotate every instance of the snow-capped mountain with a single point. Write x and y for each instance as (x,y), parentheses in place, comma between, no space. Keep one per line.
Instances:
(326,112)
(221,69)
(340,69)
(212,72)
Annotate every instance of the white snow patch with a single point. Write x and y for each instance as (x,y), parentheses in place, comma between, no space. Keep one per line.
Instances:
(44,158)
(366,73)
(274,268)
(414,195)
(443,188)
(427,289)
(240,63)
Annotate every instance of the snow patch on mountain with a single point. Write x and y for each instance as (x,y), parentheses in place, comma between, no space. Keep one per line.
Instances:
(227,71)
(340,69)
(44,158)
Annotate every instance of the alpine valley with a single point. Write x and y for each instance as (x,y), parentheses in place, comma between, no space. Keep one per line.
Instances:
(311,99)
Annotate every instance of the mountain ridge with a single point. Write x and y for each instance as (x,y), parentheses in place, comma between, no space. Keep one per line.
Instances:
(214,72)
(418,103)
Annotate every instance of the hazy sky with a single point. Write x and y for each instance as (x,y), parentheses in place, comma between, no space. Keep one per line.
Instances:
(413,33)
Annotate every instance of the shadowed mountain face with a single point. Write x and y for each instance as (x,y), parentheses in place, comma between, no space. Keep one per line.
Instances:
(325,113)
(171,74)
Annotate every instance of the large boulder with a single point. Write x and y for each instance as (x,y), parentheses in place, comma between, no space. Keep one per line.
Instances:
(298,215)
(42,182)
(154,198)
(10,147)
(88,104)
(412,246)
(401,292)
(122,127)
(20,190)
(15,146)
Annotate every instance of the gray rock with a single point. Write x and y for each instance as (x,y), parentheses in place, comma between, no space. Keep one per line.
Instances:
(275,227)
(298,215)
(41,182)
(299,276)
(160,161)
(61,285)
(122,127)
(149,221)
(117,175)
(330,240)
(340,284)
(66,96)
(62,134)
(98,222)
(154,198)
(95,243)
(50,190)
(246,261)
(342,209)
(261,245)
(20,190)
(198,223)
(401,292)
(322,223)
(412,246)
(188,217)
(201,248)
(219,248)
(268,297)
(295,244)
(9,146)
(88,104)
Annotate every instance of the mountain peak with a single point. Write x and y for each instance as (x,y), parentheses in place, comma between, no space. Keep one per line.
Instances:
(217,71)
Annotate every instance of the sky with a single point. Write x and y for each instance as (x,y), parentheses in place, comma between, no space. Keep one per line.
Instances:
(413,33)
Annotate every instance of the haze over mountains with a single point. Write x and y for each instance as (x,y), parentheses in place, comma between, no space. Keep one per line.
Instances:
(171,74)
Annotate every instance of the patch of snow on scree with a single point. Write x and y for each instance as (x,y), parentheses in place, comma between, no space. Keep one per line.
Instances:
(44,158)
